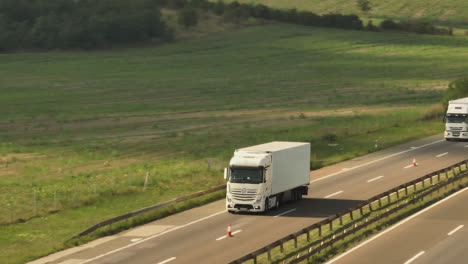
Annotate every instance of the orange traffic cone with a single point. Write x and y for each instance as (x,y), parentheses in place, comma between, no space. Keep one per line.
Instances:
(414,162)
(229,234)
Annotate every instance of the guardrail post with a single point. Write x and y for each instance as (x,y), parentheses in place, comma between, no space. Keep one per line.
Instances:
(331,225)
(438,177)
(308,236)
(370,206)
(341,219)
(281,247)
(406,190)
(360,210)
(380,202)
(431,180)
(269,255)
(351,214)
(320,230)
(389,199)
(255,259)
(398,194)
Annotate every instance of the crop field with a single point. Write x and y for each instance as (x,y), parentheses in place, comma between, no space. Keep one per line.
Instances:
(450,12)
(81,132)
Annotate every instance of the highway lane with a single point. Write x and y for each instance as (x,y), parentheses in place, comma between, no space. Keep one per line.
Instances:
(437,235)
(178,239)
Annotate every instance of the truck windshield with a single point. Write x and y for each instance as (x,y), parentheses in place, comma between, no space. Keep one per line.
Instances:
(456,119)
(246,175)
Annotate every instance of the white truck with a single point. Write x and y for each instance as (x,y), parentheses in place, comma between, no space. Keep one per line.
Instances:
(263,176)
(456,120)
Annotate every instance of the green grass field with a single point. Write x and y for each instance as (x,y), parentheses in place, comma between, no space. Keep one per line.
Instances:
(79,131)
(451,12)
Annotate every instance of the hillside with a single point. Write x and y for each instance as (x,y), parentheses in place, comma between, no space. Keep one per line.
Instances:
(450,12)
(79,130)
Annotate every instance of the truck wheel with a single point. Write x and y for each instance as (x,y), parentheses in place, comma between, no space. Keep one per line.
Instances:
(231,212)
(267,206)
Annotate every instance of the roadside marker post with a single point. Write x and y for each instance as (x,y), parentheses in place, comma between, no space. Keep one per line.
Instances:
(229,233)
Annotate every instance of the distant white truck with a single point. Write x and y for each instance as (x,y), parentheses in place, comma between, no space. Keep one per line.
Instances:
(263,176)
(456,120)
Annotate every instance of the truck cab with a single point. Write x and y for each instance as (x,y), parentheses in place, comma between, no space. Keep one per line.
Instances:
(456,120)
(249,178)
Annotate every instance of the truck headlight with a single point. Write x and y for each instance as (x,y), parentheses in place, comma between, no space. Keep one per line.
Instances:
(259,199)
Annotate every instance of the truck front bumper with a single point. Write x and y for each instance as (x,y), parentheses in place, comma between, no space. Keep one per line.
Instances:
(239,206)
(456,135)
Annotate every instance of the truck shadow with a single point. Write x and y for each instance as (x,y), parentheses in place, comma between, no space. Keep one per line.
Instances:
(315,207)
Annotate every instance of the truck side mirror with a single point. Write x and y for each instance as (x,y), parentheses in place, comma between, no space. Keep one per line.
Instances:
(225,173)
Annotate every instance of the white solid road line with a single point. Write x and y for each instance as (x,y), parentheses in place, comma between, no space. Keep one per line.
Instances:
(333,194)
(151,237)
(377,160)
(455,230)
(466,146)
(233,233)
(415,257)
(440,155)
(167,260)
(395,226)
(376,178)
(287,212)
(409,166)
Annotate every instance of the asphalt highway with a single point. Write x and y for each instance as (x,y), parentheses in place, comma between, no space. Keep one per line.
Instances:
(198,235)
(437,235)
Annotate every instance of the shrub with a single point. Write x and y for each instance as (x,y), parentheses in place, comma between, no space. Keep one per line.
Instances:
(389,24)
(188,17)
(457,89)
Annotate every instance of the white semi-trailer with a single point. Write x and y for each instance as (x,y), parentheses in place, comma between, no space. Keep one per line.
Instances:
(456,120)
(263,176)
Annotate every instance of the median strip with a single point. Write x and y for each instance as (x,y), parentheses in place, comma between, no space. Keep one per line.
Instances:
(415,257)
(376,178)
(455,230)
(167,260)
(440,155)
(292,210)
(333,194)
(233,233)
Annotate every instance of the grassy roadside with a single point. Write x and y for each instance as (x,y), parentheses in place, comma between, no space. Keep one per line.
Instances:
(303,245)
(20,241)
(100,121)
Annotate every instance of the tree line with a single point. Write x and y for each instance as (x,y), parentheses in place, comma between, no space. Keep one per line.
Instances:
(89,24)
(52,24)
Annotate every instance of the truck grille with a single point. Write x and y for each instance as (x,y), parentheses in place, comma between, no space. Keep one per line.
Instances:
(244,194)
(456,128)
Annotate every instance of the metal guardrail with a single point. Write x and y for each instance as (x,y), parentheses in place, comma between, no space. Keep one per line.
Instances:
(148,209)
(329,221)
